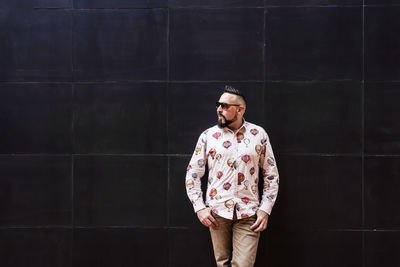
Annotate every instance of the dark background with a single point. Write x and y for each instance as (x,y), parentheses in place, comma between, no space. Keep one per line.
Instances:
(101,103)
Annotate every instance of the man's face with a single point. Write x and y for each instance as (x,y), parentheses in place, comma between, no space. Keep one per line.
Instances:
(229,114)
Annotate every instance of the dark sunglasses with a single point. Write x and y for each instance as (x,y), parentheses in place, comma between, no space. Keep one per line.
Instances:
(225,105)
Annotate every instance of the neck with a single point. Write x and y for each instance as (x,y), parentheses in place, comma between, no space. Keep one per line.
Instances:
(236,125)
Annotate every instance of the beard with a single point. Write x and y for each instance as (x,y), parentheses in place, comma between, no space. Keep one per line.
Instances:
(227,122)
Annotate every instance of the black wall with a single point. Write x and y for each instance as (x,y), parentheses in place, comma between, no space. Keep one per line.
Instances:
(101,103)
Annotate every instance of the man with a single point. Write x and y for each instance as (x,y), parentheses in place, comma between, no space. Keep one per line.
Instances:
(235,151)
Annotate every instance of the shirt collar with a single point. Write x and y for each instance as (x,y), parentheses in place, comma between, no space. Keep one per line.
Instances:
(241,128)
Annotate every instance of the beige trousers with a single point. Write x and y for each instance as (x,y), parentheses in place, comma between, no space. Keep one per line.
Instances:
(234,243)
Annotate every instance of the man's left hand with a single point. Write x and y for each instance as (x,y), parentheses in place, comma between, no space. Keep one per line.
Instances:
(261,222)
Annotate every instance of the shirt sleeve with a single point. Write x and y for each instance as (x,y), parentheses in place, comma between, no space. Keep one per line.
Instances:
(195,172)
(270,176)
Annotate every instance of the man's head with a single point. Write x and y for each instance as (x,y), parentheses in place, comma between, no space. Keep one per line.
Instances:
(231,107)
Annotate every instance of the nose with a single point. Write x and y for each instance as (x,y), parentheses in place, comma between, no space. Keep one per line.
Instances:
(219,109)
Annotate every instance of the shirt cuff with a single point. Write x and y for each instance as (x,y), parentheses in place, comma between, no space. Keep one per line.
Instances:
(267,207)
(199,205)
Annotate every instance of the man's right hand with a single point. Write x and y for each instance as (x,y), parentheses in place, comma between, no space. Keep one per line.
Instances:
(206,218)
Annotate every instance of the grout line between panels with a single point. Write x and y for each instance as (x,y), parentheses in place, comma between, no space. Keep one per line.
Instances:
(383,5)
(215,7)
(72,207)
(193,81)
(30,227)
(209,8)
(73,142)
(27,227)
(168,77)
(320,154)
(216,81)
(168,43)
(363,120)
(130,227)
(66,227)
(167,141)
(263,106)
(363,261)
(91,154)
(264,66)
(168,191)
(186,155)
(169,258)
(362,230)
(264,69)
(281,6)
(328,6)
(72,155)
(74,47)
(72,192)
(99,8)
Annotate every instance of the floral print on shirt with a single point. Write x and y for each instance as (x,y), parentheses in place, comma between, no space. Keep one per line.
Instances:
(234,161)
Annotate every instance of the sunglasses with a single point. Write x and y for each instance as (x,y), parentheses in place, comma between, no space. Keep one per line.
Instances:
(225,105)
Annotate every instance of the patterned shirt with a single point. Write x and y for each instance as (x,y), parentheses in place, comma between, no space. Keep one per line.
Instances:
(234,160)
